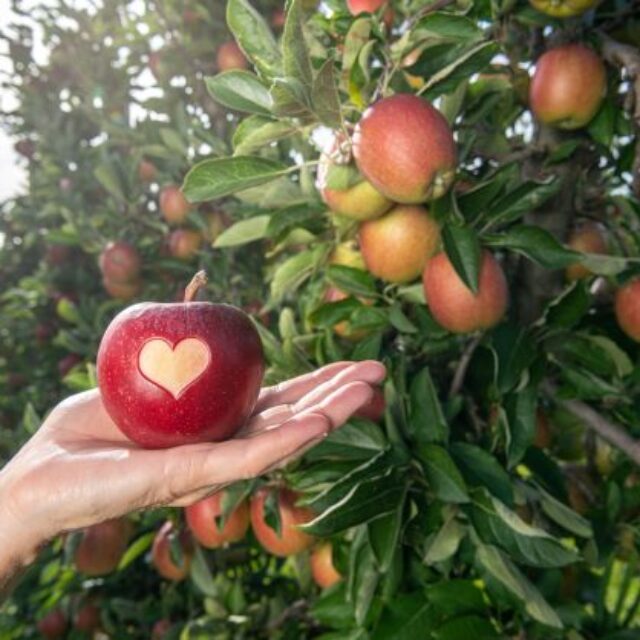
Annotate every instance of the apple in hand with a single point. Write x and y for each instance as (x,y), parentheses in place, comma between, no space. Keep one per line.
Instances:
(162,557)
(201,518)
(180,373)
(291,540)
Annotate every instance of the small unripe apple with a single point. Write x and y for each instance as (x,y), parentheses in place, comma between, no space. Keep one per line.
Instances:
(230,56)
(291,539)
(173,204)
(201,518)
(120,262)
(160,629)
(67,363)
(375,408)
(101,547)
(357,7)
(87,617)
(397,246)
(456,307)
(180,373)
(588,238)
(57,254)
(124,291)
(54,625)
(161,552)
(568,86)
(323,570)
(405,148)
(347,254)
(185,244)
(147,171)
(627,306)
(563,8)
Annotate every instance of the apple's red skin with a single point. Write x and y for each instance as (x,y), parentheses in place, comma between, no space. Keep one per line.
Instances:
(54,625)
(211,408)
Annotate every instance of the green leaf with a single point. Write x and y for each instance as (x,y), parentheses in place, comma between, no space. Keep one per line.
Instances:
(466,627)
(400,321)
(384,534)
(463,249)
(108,177)
(201,574)
(297,63)
(351,280)
(602,127)
(325,98)
(241,91)
(254,36)
(294,271)
(31,421)
(605,265)
(564,516)
(290,99)
(447,27)
(174,141)
(498,565)
(481,469)
(445,542)
(521,411)
(443,475)
(535,243)
(243,232)
(255,132)
(363,578)
(426,417)
(568,308)
(357,37)
(220,177)
(406,617)
(515,350)
(294,217)
(356,440)
(136,549)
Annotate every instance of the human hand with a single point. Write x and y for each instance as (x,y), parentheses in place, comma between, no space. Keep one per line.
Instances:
(79,469)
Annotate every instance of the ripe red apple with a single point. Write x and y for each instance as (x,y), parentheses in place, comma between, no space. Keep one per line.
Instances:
(67,363)
(563,8)
(160,629)
(397,246)
(456,307)
(87,617)
(360,201)
(627,307)
(54,625)
(101,547)
(375,408)
(357,7)
(161,552)
(180,373)
(405,148)
(230,56)
(323,570)
(568,86)
(57,254)
(26,148)
(588,238)
(291,539)
(122,290)
(201,518)
(120,262)
(173,204)
(185,244)
(147,171)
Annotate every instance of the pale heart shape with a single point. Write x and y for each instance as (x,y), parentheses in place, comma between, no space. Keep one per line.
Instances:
(173,368)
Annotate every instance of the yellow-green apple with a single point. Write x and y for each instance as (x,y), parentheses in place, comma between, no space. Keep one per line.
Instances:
(397,246)
(568,86)
(180,373)
(163,560)
(291,539)
(627,307)
(454,305)
(185,244)
(230,56)
(323,570)
(347,254)
(54,625)
(563,8)
(202,520)
(124,291)
(101,547)
(405,148)
(120,262)
(147,171)
(173,204)
(588,238)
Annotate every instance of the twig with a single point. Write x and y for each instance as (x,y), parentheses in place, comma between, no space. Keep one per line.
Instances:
(463,365)
(295,610)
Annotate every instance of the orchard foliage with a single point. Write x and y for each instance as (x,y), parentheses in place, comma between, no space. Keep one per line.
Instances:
(496,494)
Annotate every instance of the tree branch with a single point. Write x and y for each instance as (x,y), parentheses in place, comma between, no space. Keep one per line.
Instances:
(463,365)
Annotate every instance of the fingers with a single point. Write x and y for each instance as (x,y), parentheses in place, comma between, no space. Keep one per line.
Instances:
(292,390)
(370,372)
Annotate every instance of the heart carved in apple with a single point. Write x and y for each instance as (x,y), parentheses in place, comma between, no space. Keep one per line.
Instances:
(180,373)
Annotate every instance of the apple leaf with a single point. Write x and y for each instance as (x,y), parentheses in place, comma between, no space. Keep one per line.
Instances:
(463,249)
(240,90)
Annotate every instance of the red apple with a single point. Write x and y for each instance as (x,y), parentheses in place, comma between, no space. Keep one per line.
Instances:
(455,306)
(568,86)
(57,254)
(122,290)
(230,56)
(278,18)
(185,244)
(323,570)
(588,238)
(563,8)
(101,547)
(43,332)
(160,629)
(627,307)
(357,7)
(180,373)
(120,262)
(25,147)
(67,363)
(65,184)
(147,171)
(87,618)
(54,625)
(173,204)
(375,408)
(201,518)
(291,539)
(397,246)
(405,148)
(161,553)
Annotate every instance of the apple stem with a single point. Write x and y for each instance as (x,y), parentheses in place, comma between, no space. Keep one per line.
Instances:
(198,281)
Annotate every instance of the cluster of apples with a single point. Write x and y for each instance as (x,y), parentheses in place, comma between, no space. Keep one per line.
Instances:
(405,155)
